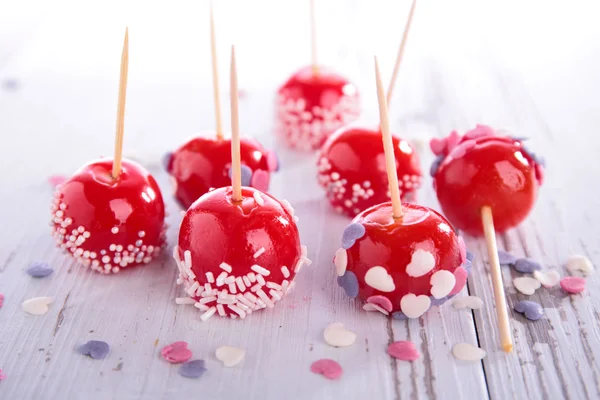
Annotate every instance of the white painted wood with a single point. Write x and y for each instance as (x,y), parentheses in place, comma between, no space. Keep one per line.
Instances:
(465,63)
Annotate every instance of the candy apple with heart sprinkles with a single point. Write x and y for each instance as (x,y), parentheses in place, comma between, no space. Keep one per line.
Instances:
(204,162)
(400,258)
(239,248)
(110,214)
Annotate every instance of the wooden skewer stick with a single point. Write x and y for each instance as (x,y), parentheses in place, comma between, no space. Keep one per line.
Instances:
(236,167)
(501,310)
(215,75)
(401,51)
(116,169)
(313,38)
(388,146)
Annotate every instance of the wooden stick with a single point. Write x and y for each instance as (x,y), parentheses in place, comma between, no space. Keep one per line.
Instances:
(236,167)
(215,75)
(501,309)
(401,51)
(313,38)
(116,169)
(388,146)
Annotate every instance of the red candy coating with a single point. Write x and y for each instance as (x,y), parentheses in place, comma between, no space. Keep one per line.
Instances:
(107,223)
(487,170)
(204,162)
(255,239)
(416,255)
(310,107)
(352,169)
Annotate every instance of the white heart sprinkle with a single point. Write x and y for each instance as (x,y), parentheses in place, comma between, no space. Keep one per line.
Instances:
(340,261)
(337,336)
(548,279)
(414,306)
(578,263)
(468,352)
(442,283)
(37,305)
(230,356)
(378,278)
(421,263)
(472,302)
(374,307)
(526,285)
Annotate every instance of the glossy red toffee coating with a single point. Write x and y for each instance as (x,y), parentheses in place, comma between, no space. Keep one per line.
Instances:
(310,107)
(483,168)
(108,224)
(352,169)
(401,266)
(204,162)
(236,258)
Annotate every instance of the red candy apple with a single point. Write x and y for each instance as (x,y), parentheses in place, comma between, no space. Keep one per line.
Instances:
(205,162)
(238,257)
(401,266)
(480,169)
(310,106)
(352,169)
(108,224)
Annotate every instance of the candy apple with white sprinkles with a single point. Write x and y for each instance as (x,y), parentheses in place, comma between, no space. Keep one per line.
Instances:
(400,258)
(239,248)
(110,214)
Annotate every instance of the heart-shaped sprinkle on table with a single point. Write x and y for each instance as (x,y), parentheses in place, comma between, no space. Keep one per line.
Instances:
(1,300)
(378,278)
(421,263)
(2,376)
(176,352)
(351,234)
(260,180)
(572,284)
(192,369)
(330,369)
(414,306)
(532,310)
(349,283)
(467,352)
(581,264)
(95,349)
(460,275)
(442,282)
(37,305)
(526,285)
(337,335)
(230,356)
(403,350)
(548,278)
(469,302)
(340,261)
(39,269)
(506,258)
(381,301)
(526,265)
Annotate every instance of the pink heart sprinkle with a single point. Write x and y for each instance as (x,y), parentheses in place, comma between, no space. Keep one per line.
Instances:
(572,284)
(272,161)
(2,376)
(460,274)
(462,249)
(461,149)
(381,301)
(480,131)
(437,146)
(328,368)
(176,353)
(260,180)
(403,350)
(452,140)
(539,173)
(56,180)
(1,299)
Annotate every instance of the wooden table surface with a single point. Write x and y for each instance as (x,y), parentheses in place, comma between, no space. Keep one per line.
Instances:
(531,69)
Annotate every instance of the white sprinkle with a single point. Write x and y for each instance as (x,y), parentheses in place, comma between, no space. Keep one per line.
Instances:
(225,267)
(192,289)
(210,277)
(207,287)
(526,285)
(237,310)
(275,295)
(246,281)
(242,299)
(36,305)
(284,286)
(232,288)
(187,257)
(226,300)
(260,270)
(221,310)
(337,335)
(260,280)
(285,271)
(221,279)
(230,279)
(106,259)
(201,307)
(250,297)
(199,291)
(578,263)
(273,285)
(469,302)
(468,352)
(184,300)
(251,276)
(265,298)
(141,234)
(288,207)
(115,230)
(179,280)
(258,198)
(207,299)
(299,265)
(209,313)
(255,287)
(244,307)
(240,283)
(260,251)
(291,287)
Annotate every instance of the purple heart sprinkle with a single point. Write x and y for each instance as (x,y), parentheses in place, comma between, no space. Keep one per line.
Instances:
(349,283)
(399,315)
(532,310)
(192,369)
(39,269)
(96,349)
(470,256)
(468,266)
(166,161)
(519,138)
(526,265)
(246,175)
(435,165)
(506,258)
(438,302)
(351,234)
